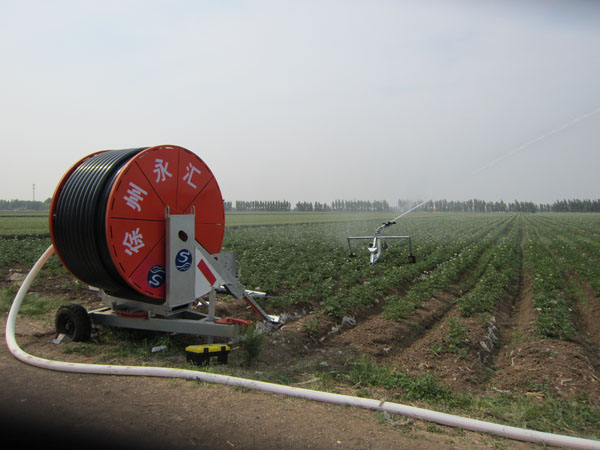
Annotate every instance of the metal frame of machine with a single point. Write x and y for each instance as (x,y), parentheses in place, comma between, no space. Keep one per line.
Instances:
(145,227)
(191,273)
(378,243)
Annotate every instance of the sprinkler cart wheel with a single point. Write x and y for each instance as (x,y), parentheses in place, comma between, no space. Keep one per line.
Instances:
(412,259)
(73,321)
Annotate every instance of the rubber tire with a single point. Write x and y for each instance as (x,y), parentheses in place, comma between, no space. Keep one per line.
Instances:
(412,259)
(73,321)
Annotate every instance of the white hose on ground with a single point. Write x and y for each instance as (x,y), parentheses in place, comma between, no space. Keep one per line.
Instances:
(377,405)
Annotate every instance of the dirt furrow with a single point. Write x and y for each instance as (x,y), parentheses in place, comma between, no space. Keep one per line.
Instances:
(522,365)
(378,336)
(381,337)
(457,349)
(589,312)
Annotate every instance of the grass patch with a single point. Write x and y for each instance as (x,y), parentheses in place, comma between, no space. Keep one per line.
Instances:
(572,416)
(554,414)
(455,341)
(365,373)
(398,308)
(311,326)
(117,344)
(80,349)
(23,224)
(251,342)
(33,304)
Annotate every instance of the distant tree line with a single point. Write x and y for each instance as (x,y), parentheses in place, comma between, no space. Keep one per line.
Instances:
(345,206)
(472,205)
(260,205)
(476,205)
(283,205)
(574,205)
(360,205)
(304,206)
(309,206)
(25,205)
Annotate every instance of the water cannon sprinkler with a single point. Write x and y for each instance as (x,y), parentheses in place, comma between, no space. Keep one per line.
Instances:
(379,241)
(378,244)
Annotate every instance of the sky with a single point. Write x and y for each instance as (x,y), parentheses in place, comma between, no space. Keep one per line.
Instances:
(311,100)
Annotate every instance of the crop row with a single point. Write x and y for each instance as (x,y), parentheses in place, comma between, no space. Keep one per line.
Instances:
(500,276)
(584,224)
(22,252)
(551,292)
(309,264)
(581,228)
(447,273)
(432,273)
(581,251)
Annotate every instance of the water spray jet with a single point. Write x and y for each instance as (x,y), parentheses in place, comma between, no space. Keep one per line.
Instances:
(378,241)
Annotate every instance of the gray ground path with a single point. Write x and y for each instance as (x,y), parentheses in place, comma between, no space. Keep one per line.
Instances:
(54,410)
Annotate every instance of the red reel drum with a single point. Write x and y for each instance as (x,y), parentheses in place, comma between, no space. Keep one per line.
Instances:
(120,199)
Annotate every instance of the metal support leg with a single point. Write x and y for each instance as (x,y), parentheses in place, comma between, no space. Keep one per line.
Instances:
(214,273)
(212,300)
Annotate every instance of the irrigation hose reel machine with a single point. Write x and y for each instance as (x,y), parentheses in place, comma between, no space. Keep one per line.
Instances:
(144,227)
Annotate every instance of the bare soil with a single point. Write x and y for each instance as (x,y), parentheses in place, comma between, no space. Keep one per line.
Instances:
(527,363)
(54,410)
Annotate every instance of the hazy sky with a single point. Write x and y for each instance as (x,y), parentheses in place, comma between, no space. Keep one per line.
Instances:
(311,100)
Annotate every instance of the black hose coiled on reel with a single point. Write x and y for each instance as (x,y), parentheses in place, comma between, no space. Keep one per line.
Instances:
(78,222)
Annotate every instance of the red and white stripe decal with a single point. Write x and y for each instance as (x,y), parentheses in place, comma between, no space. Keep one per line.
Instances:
(210,277)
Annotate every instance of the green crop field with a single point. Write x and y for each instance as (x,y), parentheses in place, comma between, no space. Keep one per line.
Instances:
(233,219)
(35,222)
(19,223)
(498,316)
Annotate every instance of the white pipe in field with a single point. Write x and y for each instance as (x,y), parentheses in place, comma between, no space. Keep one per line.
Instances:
(377,405)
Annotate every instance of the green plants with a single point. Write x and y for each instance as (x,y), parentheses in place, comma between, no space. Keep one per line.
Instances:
(251,342)
(311,326)
(455,340)
(364,372)
(34,304)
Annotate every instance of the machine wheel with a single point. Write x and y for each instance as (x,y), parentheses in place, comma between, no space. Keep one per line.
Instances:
(412,259)
(73,321)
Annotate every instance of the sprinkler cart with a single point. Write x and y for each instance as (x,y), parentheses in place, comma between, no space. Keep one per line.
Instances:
(379,244)
(378,240)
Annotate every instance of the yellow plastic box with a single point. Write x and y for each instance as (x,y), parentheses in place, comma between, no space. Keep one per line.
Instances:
(201,355)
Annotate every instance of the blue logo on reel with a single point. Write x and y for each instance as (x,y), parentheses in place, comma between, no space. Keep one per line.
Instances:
(183,260)
(156,276)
